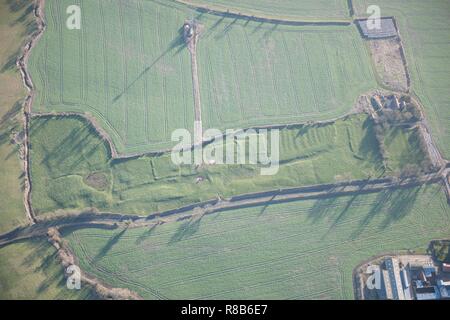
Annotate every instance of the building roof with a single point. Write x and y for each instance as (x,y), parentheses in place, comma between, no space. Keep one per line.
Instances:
(387,29)
(394,277)
(426,296)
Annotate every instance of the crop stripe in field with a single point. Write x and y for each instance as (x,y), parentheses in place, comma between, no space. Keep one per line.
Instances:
(104,271)
(405,227)
(252,266)
(341,64)
(186,121)
(81,65)
(104,41)
(301,254)
(215,98)
(163,78)
(313,296)
(61,52)
(50,11)
(142,54)
(85,78)
(216,233)
(311,76)
(274,85)
(330,81)
(253,70)
(280,279)
(43,76)
(358,53)
(235,73)
(124,73)
(291,74)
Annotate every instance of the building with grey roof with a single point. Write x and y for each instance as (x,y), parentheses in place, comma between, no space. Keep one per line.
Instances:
(387,28)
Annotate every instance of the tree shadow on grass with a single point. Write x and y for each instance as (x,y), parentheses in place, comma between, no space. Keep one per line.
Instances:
(402,202)
(17,5)
(382,198)
(368,147)
(266,205)
(10,63)
(344,211)
(270,30)
(185,230)
(147,233)
(11,113)
(39,248)
(108,246)
(322,209)
(224,32)
(23,17)
(177,44)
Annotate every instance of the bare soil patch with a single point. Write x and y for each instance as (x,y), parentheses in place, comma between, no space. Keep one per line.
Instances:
(389,64)
(97,180)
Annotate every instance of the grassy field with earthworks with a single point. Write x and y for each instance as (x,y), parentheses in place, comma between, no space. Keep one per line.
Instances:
(66,153)
(425,33)
(297,250)
(136,77)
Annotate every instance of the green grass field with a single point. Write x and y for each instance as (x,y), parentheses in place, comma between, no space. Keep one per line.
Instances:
(298,250)
(15,25)
(255,74)
(30,270)
(284,9)
(135,78)
(425,33)
(126,66)
(65,151)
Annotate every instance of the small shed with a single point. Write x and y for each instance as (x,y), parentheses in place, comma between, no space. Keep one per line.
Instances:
(387,28)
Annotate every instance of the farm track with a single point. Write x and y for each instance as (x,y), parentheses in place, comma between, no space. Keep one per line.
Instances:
(192,48)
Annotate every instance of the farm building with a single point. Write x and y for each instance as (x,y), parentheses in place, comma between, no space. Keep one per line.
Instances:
(392,281)
(387,29)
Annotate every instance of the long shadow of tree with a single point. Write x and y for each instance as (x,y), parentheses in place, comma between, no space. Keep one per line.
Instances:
(147,233)
(177,44)
(109,245)
(401,203)
(323,208)
(186,230)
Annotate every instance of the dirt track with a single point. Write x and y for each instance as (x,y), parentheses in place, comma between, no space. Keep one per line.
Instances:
(192,47)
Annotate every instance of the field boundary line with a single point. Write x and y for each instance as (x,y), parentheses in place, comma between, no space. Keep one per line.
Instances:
(68,258)
(324,191)
(22,64)
(233,13)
